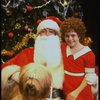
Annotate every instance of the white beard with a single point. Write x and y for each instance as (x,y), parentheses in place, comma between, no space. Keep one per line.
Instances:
(48,52)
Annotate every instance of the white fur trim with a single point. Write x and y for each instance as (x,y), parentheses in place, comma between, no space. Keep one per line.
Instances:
(89,70)
(58,77)
(48,24)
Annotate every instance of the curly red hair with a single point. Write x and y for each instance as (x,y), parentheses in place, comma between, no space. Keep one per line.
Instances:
(76,25)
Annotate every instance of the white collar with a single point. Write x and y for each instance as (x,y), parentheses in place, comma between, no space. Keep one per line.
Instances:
(78,54)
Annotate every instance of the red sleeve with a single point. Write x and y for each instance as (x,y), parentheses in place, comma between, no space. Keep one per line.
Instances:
(24,57)
(63,50)
(90,60)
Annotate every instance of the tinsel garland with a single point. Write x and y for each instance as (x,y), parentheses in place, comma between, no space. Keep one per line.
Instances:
(19,45)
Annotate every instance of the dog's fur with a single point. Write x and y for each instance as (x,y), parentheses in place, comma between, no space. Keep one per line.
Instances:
(7,84)
(34,84)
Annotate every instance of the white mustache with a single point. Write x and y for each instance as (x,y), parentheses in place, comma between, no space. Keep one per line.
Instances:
(47,37)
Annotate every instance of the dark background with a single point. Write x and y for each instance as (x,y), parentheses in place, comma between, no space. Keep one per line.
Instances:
(91,19)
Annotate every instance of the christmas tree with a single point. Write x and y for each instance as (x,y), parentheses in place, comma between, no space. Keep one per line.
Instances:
(20,17)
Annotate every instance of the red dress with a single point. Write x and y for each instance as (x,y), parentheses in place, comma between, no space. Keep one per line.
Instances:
(77,63)
(24,57)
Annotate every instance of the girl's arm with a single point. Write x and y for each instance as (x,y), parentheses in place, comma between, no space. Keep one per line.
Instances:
(88,73)
(73,95)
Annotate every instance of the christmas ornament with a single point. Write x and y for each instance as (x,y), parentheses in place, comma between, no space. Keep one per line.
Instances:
(17,26)
(87,41)
(8,12)
(4,52)
(38,21)
(29,8)
(26,27)
(10,54)
(11,34)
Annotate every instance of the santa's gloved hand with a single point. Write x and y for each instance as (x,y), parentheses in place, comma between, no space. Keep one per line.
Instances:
(91,78)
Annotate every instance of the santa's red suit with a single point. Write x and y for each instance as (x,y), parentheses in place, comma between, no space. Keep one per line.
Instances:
(24,57)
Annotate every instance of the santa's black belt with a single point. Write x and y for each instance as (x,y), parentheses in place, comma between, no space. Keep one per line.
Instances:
(57,93)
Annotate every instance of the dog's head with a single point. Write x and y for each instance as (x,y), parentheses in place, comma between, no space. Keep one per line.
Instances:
(34,81)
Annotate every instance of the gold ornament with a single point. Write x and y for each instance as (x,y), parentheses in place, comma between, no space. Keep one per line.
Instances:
(17,26)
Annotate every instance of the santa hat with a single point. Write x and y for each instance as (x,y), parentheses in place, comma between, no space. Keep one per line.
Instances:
(50,22)
(57,20)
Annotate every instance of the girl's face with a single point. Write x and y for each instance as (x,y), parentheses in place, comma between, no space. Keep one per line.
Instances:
(71,38)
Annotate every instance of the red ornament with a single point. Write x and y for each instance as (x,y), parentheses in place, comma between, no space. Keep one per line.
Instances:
(39,21)
(10,54)
(26,27)
(11,34)
(29,8)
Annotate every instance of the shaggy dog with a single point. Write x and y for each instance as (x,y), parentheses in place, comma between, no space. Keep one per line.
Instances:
(8,82)
(34,82)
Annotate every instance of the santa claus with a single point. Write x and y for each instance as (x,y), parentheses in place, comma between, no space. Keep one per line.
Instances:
(47,52)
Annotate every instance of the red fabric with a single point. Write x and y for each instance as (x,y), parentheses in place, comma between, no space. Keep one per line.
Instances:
(95,97)
(24,57)
(78,65)
(57,20)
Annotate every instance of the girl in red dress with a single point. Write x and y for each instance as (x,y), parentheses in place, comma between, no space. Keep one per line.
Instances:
(78,59)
